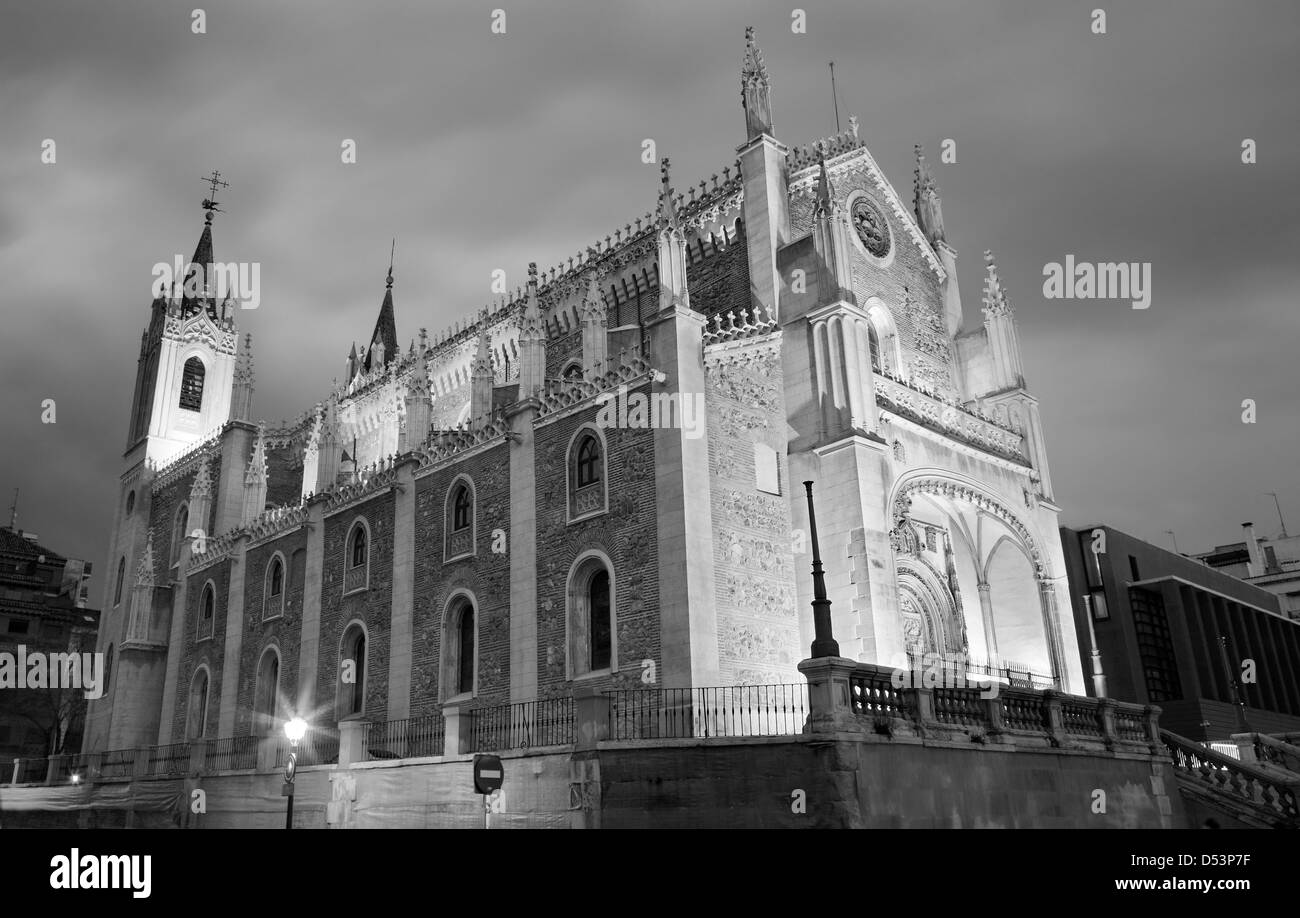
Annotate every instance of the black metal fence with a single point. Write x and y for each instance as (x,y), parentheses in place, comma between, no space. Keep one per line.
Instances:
(731,710)
(522,725)
(411,738)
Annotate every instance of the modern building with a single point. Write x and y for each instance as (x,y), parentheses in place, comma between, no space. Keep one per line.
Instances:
(43,609)
(595,482)
(1271,564)
(1216,654)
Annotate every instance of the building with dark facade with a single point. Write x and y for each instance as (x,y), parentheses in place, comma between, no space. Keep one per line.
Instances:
(43,610)
(1215,653)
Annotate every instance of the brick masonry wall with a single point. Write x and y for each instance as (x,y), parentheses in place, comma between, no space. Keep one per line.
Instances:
(486,575)
(718,282)
(284,475)
(626,534)
(758,627)
(372,606)
(195,653)
(283,632)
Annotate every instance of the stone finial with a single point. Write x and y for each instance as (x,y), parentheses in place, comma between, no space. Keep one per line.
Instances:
(995,292)
(755,90)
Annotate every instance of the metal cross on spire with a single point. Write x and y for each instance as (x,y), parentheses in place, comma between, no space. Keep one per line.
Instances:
(209,203)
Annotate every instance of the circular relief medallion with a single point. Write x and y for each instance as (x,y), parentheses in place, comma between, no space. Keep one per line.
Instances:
(872,228)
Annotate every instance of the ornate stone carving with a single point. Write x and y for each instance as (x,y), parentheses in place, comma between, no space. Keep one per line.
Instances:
(871,226)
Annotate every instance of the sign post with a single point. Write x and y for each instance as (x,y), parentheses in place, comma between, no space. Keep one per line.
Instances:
(489,775)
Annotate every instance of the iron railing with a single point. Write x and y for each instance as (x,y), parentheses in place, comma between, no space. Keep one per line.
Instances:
(169,760)
(411,738)
(522,725)
(317,747)
(731,710)
(117,763)
(232,753)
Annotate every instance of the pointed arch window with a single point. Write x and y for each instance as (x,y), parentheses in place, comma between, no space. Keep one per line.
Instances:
(196,724)
(273,594)
(266,696)
(590,627)
(192,384)
(460,647)
(207,611)
(587,492)
(121,578)
(356,567)
(460,519)
(179,527)
(352,679)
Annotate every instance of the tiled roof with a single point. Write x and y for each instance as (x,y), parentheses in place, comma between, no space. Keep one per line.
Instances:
(13,544)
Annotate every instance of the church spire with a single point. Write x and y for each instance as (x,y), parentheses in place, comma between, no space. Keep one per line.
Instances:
(1000,326)
(482,375)
(831,242)
(532,341)
(755,90)
(383,343)
(925,200)
(198,292)
(672,249)
(241,402)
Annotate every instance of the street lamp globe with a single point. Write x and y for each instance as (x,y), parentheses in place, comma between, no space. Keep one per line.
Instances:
(295,729)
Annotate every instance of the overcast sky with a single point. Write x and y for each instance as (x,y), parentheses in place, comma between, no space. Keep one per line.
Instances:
(480,151)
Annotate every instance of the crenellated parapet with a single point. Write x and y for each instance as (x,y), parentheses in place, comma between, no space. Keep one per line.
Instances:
(274,522)
(183,462)
(561,395)
(750,325)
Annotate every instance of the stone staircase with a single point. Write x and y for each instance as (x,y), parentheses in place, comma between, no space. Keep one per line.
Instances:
(1263,794)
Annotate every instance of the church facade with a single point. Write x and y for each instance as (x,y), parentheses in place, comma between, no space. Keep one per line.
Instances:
(597,480)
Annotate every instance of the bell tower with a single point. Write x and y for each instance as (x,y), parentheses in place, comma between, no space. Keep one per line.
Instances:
(187,358)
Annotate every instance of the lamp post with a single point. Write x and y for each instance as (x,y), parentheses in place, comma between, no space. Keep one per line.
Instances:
(295,730)
(824,643)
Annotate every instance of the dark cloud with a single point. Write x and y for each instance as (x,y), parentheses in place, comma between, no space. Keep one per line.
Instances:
(480,152)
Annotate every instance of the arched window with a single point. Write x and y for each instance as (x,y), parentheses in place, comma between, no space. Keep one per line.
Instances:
(130,503)
(196,723)
(121,578)
(460,647)
(460,519)
(598,613)
(586,474)
(192,385)
(273,593)
(352,679)
(207,611)
(873,340)
(591,642)
(179,527)
(356,573)
(266,697)
(108,667)
(461,505)
(465,665)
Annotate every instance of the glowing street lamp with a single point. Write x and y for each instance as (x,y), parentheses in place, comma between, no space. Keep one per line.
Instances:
(295,730)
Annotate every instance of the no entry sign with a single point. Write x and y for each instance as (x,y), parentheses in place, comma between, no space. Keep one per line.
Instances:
(488,773)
